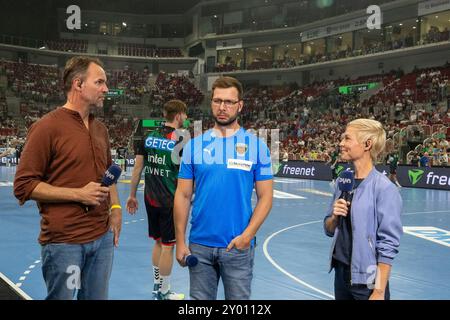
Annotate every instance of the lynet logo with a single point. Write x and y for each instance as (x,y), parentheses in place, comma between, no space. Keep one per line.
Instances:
(437,179)
(109,175)
(344,180)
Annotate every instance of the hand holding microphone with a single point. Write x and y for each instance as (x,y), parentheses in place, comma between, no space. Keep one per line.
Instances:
(346,182)
(94,193)
(190,260)
(184,256)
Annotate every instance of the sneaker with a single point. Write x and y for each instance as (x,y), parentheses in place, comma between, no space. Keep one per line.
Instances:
(169,295)
(155,291)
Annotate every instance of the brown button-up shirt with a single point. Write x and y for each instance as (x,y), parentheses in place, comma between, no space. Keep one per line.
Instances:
(62,152)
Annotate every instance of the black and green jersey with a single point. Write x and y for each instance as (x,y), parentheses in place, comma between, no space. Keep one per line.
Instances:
(334,156)
(121,152)
(160,171)
(392,160)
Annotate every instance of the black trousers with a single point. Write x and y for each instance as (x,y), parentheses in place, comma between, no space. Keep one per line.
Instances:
(344,291)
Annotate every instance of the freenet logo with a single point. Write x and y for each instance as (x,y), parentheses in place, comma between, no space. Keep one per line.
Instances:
(441,180)
(339,170)
(299,171)
(415,175)
(276,167)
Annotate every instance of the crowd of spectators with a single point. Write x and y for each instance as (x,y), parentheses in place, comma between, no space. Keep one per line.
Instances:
(434,35)
(34,82)
(68,45)
(312,134)
(40,90)
(412,107)
(134,83)
(8,128)
(173,86)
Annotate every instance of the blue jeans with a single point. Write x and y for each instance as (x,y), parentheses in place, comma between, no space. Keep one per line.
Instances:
(234,267)
(84,269)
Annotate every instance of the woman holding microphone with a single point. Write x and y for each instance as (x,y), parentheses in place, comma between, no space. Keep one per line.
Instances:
(366,227)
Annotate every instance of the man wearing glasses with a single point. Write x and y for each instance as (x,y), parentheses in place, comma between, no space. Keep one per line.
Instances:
(225,163)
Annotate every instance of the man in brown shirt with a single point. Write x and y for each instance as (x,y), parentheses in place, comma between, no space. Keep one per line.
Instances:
(64,159)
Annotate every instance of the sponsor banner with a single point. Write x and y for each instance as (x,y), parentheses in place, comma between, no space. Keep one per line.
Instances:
(428,7)
(8,159)
(130,160)
(12,160)
(229,44)
(337,28)
(304,170)
(408,176)
(430,178)
(159,143)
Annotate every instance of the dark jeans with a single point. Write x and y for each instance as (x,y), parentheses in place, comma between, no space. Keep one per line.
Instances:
(344,291)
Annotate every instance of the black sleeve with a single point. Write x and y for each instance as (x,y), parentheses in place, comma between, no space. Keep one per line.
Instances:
(139,147)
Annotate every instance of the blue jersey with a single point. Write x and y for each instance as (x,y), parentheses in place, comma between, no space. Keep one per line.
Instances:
(224,171)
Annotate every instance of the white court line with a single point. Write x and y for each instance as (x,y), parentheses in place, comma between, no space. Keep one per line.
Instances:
(266,253)
(284,195)
(284,181)
(315,191)
(430,234)
(420,212)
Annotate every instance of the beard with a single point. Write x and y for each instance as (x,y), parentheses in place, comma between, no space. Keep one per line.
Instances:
(226,122)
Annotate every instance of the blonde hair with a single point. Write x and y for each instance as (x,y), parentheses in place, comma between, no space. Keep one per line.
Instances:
(367,129)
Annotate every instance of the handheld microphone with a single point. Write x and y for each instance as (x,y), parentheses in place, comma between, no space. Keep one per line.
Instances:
(191,260)
(346,182)
(111,175)
(109,178)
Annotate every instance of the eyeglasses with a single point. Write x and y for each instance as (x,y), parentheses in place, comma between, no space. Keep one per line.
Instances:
(227,103)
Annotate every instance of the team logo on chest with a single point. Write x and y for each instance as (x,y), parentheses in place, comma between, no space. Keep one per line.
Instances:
(241,148)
